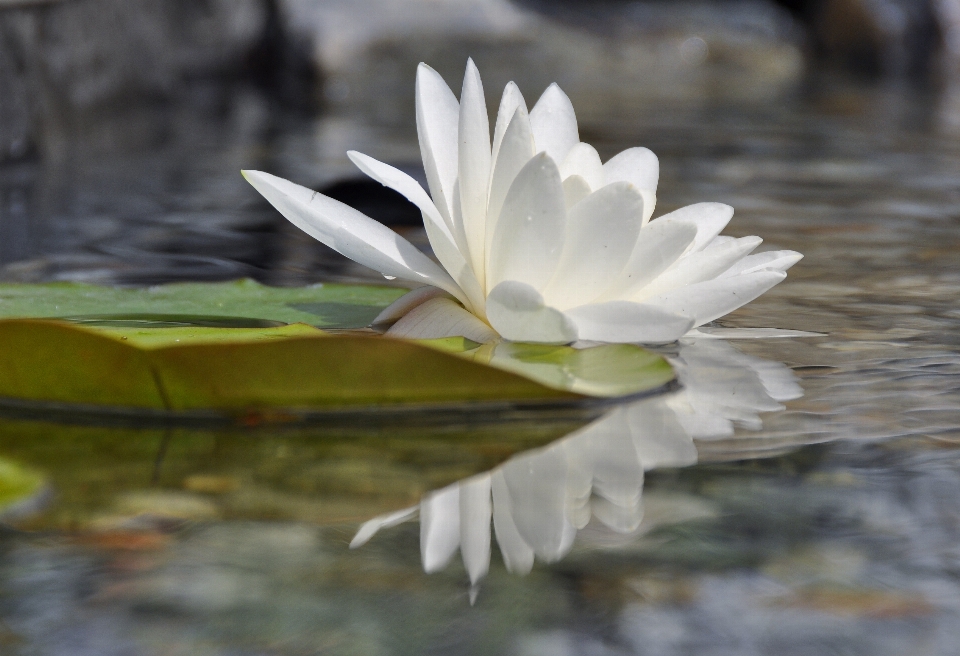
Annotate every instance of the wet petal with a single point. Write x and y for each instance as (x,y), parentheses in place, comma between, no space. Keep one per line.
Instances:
(437,127)
(516,150)
(554,124)
(584,161)
(517,554)
(697,267)
(439,527)
(476,510)
(710,219)
(528,238)
(622,321)
(510,102)
(659,246)
(517,311)
(601,231)
(712,299)
(441,317)
(474,158)
(351,233)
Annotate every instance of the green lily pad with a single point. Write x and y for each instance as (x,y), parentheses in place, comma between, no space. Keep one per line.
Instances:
(18,485)
(230,348)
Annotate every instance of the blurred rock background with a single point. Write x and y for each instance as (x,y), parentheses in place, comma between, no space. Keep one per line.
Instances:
(65,64)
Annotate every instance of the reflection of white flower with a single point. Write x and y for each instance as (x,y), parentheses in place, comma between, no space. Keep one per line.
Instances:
(540,499)
(537,238)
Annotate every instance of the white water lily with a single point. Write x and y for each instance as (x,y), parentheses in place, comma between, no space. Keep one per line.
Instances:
(537,239)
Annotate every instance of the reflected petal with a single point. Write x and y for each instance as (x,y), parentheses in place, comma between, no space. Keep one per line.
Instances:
(371,527)
(476,509)
(517,554)
(439,527)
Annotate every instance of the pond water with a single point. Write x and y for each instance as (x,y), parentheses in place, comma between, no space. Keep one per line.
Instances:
(794,496)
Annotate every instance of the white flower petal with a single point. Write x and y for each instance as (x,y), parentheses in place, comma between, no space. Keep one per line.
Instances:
(474,158)
(641,168)
(554,124)
(517,311)
(351,233)
(601,231)
(437,127)
(710,219)
(528,238)
(697,267)
(373,526)
(659,246)
(575,189)
(517,554)
(638,166)
(442,242)
(717,332)
(709,300)
(516,150)
(622,321)
(583,160)
(476,510)
(439,527)
(441,317)
(536,487)
(396,310)
(510,102)
(769,260)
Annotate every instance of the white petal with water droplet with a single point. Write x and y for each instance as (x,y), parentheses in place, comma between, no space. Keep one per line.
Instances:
(528,238)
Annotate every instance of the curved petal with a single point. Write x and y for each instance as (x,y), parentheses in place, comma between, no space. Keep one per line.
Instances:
(638,166)
(476,510)
(575,189)
(439,527)
(554,124)
(769,260)
(622,321)
(712,299)
(601,231)
(396,310)
(442,242)
(517,311)
(351,233)
(474,159)
(710,219)
(510,102)
(516,150)
(583,160)
(441,317)
(437,128)
(528,238)
(697,267)
(658,246)
(517,554)
(373,526)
